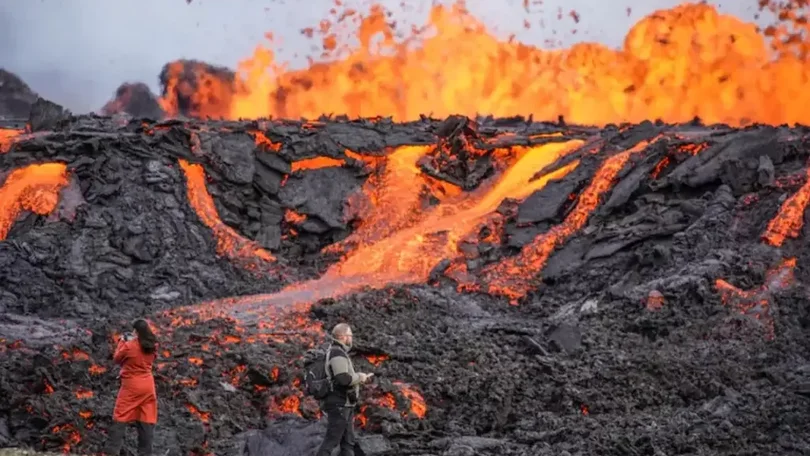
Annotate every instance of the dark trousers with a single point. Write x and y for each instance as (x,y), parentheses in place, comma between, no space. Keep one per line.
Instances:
(339,431)
(115,438)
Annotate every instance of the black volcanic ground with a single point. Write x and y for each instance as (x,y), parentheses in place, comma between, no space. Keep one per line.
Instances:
(587,363)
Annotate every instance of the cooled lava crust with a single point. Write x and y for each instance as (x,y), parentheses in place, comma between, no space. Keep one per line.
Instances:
(519,288)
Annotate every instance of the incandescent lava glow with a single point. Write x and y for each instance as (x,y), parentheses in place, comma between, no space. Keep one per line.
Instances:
(7,137)
(426,237)
(33,188)
(756,303)
(674,65)
(229,242)
(514,276)
(399,241)
(789,220)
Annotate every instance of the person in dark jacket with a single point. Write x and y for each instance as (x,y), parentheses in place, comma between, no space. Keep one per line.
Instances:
(137,401)
(339,405)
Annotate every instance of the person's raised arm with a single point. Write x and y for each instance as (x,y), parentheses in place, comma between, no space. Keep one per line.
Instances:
(121,351)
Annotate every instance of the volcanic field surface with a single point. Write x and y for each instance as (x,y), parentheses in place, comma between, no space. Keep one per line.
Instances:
(518,287)
(656,271)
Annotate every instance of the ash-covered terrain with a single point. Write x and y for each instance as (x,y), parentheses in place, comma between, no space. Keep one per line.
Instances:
(519,288)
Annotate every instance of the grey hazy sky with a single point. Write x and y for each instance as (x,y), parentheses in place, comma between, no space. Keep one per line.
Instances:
(77,52)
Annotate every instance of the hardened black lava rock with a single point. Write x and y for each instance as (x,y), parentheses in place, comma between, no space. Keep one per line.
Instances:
(624,346)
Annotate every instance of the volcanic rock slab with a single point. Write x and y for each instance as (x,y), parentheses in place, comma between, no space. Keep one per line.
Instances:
(657,272)
(16,97)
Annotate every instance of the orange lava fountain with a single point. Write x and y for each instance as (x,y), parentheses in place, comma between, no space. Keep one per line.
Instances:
(675,64)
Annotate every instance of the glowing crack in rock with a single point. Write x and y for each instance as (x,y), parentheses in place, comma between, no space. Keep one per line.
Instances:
(757,303)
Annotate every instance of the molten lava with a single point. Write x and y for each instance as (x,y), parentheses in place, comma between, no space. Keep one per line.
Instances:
(376,360)
(674,64)
(401,242)
(70,436)
(757,303)
(229,242)
(317,163)
(34,188)
(201,415)
(789,220)
(83,393)
(7,137)
(417,403)
(514,276)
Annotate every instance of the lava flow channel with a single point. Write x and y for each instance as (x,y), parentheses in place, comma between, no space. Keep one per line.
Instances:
(513,277)
(7,137)
(789,220)
(674,64)
(399,241)
(34,188)
(229,242)
(409,254)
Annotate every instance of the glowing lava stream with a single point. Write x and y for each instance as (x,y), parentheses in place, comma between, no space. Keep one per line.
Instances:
(408,255)
(513,277)
(7,138)
(229,242)
(34,188)
(789,220)
(420,239)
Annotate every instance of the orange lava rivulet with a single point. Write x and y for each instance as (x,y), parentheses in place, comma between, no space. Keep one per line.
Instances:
(229,242)
(7,137)
(674,64)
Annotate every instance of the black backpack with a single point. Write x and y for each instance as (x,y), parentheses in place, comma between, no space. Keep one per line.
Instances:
(317,378)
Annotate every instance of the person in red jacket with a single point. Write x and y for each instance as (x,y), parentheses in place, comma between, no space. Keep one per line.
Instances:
(137,400)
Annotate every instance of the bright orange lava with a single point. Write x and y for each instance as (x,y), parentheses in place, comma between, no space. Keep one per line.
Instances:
(675,64)
(789,220)
(376,360)
(402,242)
(417,403)
(317,163)
(71,436)
(33,188)
(201,415)
(229,242)
(399,240)
(513,277)
(83,393)
(7,138)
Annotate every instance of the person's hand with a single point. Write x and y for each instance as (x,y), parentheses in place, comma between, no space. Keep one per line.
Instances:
(364,377)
